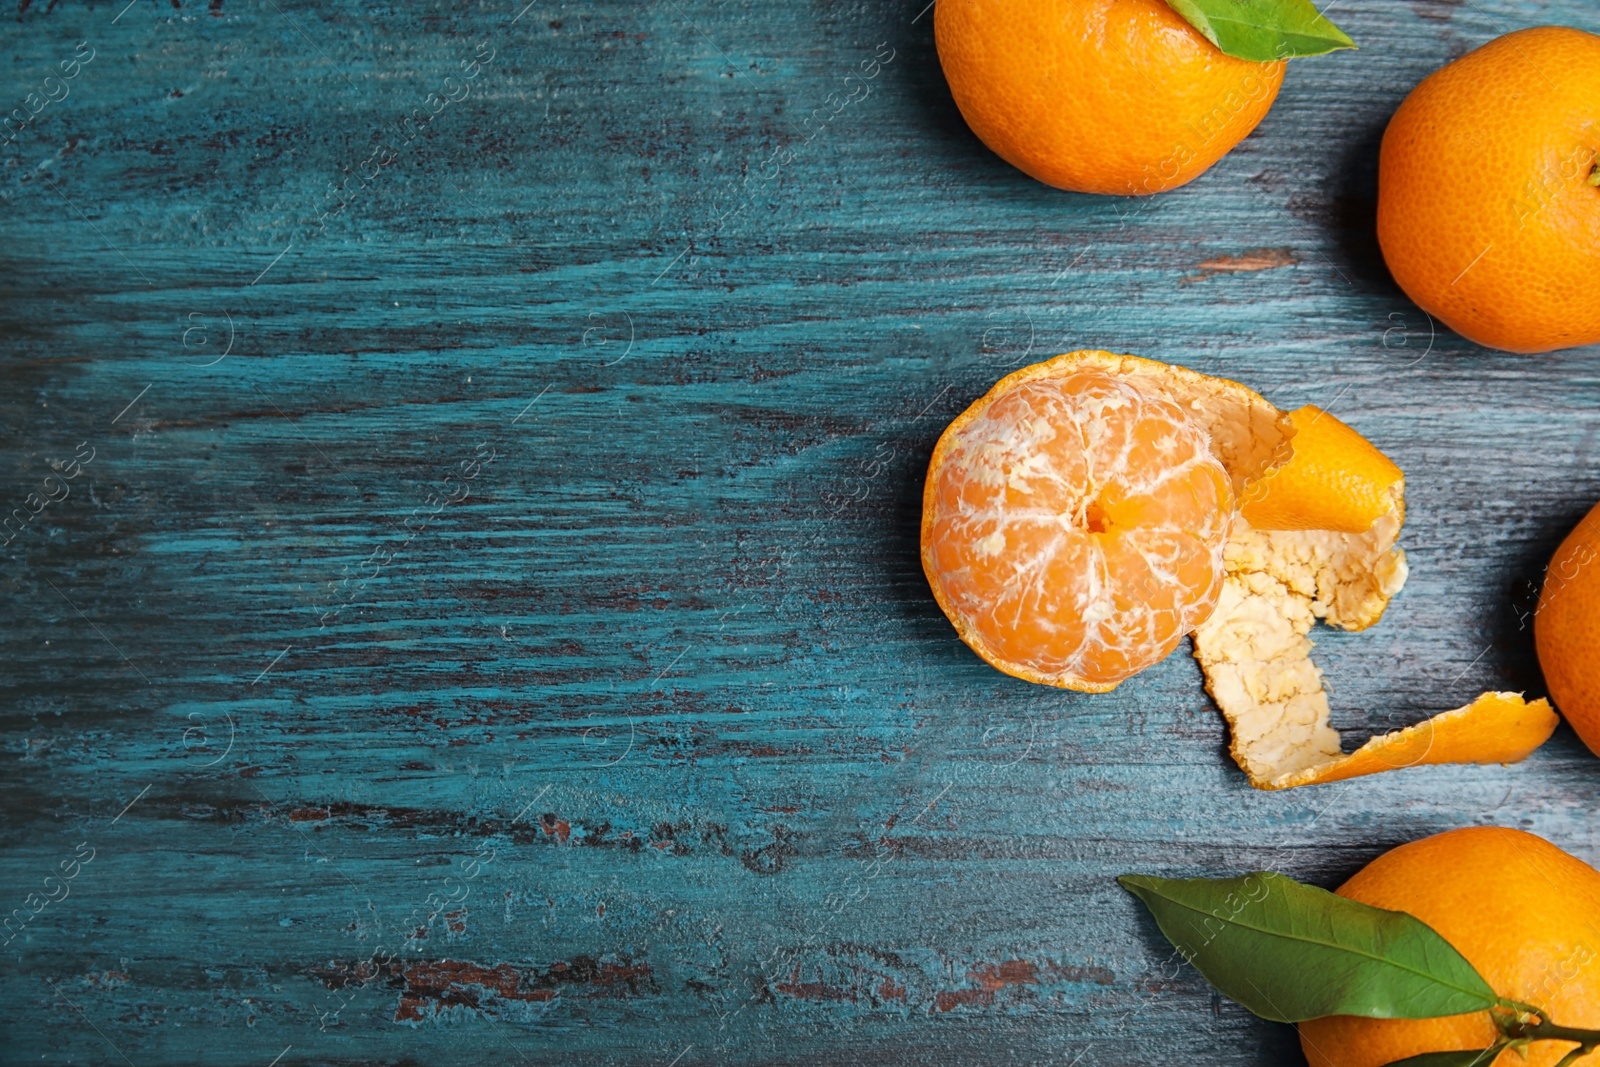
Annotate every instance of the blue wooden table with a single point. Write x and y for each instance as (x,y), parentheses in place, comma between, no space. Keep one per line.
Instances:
(474,613)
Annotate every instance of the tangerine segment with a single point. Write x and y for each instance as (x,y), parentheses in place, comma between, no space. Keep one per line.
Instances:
(1073,527)
(1334,480)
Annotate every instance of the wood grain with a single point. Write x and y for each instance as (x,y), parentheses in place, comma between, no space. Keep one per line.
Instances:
(644,743)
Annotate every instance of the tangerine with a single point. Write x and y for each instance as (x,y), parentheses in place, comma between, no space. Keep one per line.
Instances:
(1073,528)
(1098,96)
(1522,911)
(1566,629)
(1488,209)
(1091,509)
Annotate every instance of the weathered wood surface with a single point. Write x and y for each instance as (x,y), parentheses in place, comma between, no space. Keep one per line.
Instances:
(661,708)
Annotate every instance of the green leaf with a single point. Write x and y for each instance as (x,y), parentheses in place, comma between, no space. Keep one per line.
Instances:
(1470,1058)
(1291,952)
(1263,30)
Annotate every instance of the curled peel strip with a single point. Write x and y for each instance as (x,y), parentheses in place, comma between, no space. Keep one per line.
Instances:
(1316,540)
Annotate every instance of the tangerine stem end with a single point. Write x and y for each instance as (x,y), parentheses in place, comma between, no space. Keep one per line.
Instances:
(1529,1023)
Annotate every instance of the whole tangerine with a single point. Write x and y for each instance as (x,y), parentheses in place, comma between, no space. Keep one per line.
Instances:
(1566,629)
(1098,96)
(1522,911)
(1488,208)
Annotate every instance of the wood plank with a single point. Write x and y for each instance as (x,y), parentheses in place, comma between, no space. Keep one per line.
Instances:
(671,662)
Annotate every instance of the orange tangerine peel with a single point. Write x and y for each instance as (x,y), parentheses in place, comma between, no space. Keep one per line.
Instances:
(1090,510)
(1334,480)
(1495,728)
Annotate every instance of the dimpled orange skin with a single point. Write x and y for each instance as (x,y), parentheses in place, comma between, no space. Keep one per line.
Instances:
(1485,214)
(1073,528)
(1566,629)
(1098,96)
(1522,911)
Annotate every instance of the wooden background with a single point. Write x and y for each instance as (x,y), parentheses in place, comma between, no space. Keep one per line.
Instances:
(489,627)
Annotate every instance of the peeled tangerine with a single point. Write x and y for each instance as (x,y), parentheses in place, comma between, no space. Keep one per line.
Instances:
(1091,510)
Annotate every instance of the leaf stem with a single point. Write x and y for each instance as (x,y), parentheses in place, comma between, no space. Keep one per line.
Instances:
(1523,1027)
(1549,1031)
(1594,175)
